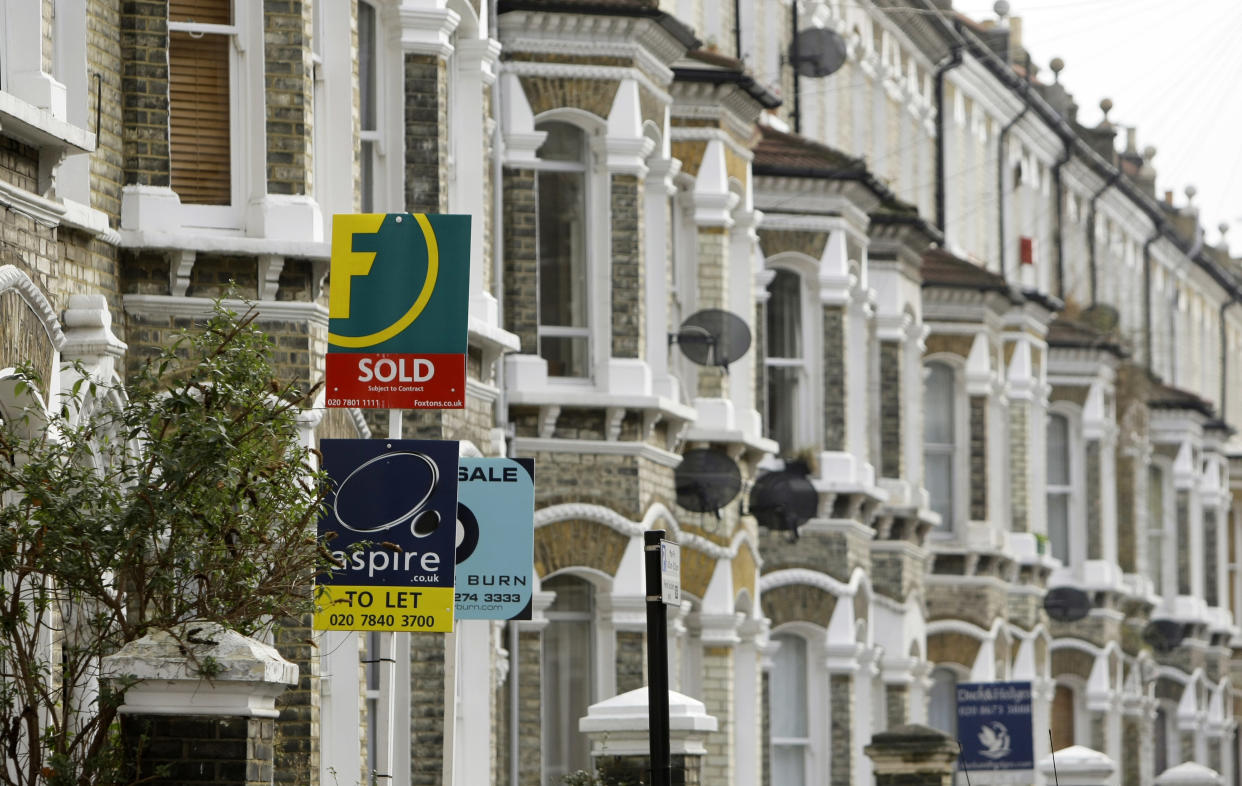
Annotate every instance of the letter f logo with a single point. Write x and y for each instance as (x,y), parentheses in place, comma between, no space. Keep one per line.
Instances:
(348,263)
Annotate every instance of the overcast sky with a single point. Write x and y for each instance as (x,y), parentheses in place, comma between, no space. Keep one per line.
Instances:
(1173,68)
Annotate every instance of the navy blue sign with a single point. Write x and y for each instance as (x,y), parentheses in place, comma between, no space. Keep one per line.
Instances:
(994,725)
(389,525)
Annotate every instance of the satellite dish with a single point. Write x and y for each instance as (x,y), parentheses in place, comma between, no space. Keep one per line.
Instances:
(783,500)
(817,51)
(706,480)
(1067,604)
(712,337)
(1164,635)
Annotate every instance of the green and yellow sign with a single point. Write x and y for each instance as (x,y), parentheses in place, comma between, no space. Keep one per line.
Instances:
(398,304)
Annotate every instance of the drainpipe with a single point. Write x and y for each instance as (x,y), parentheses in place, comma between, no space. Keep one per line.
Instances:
(1147,340)
(1001,164)
(954,60)
(1091,232)
(737,29)
(1058,230)
(797,90)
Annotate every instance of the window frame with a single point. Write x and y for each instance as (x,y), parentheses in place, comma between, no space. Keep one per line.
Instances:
(240,34)
(804,401)
(1165,533)
(592,617)
(958,450)
(1075,546)
(818,742)
(596,214)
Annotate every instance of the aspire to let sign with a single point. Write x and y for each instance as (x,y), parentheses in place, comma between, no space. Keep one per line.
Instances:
(397,311)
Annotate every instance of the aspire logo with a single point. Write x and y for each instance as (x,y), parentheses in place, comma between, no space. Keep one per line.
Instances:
(397,309)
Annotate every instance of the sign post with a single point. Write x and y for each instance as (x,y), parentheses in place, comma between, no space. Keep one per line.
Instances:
(662,560)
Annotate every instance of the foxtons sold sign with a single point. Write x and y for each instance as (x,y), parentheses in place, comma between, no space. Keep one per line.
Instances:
(397,311)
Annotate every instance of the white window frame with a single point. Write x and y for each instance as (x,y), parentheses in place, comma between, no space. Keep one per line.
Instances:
(247,118)
(1166,532)
(818,741)
(959,676)
(805,402)
(960,482)
(596,217)
(1076,547)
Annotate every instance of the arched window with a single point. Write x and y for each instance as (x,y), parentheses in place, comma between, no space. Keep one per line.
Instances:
(791,736)
(942,701)
(564,332)
(1059,485)
(940,439)
(785,359)
(568,675)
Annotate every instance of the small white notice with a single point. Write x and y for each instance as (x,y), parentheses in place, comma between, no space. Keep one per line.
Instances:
(670,573)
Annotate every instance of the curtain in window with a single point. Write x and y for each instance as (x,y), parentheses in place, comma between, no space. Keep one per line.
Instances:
(939,439)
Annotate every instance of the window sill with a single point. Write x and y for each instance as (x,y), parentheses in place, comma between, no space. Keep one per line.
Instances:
(40,128)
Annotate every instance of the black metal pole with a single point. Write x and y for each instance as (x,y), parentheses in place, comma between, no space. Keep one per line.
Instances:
(657,663)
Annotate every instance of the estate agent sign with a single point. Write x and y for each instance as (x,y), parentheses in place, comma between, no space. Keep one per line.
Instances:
(389,525)
(397,311)
(994,725)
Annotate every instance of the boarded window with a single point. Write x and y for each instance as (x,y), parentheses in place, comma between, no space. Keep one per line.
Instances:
(198,66)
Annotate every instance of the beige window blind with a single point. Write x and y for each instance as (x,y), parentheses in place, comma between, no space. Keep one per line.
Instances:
(199,104)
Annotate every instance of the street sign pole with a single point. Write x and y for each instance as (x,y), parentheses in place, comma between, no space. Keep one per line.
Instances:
(657,662)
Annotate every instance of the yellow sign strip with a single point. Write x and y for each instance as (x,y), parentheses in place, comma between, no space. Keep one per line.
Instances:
(398,609)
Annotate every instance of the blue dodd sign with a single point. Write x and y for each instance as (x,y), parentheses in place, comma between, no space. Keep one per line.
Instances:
(994,725)
(389,526)
(495,538)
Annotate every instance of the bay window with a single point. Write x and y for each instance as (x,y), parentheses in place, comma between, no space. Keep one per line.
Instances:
(568,675)
(1059,486)
(785,359)
(201,107)
(940,441)
(791,737)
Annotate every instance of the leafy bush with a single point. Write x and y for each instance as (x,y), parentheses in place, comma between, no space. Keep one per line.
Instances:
(181,496)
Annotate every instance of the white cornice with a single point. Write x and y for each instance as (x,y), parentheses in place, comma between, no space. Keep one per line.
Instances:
(646,42)
(277,310)
(43,211)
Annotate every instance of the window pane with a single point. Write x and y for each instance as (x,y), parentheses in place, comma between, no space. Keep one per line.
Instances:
(213,12)
(938,478)
(367,176)
(567,676)
(942,702)
(562,258)
(1058,451)
(789,765)
(938,404)
(366,66)
(784,315)
(789,688)
(783,406)
(1155,527)
(1058,526)
(198,124)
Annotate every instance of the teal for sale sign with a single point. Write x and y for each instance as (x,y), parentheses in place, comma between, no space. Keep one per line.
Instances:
(495,538)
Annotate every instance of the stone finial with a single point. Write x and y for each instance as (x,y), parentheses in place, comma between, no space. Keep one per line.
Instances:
(1057,65)
(1190,192)
(1149,153)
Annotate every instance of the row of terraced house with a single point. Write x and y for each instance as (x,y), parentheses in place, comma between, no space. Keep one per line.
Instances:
(1006,363)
